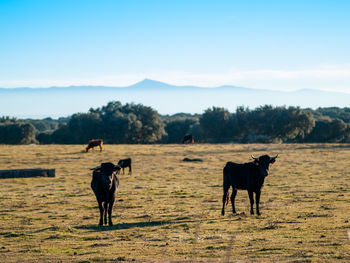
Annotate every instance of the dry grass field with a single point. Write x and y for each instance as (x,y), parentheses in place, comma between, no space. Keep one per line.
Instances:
(170,211)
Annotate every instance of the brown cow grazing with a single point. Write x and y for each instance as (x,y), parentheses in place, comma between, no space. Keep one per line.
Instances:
(105,185)
(94,143)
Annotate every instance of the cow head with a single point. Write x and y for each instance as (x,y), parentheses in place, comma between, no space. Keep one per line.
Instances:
(107,170)
(263,163)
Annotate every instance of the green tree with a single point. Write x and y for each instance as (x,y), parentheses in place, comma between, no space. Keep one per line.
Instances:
(273,124)
(17,133)
(217,125)
(176,129)
(114,123)
(329,130)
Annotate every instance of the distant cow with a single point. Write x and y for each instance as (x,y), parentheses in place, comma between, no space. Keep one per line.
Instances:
(188,138)
(105,184)
(94,143)
(123,163)
(247,176)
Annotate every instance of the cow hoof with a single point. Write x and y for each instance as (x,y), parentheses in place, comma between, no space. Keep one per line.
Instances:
(222,212)
(110,224)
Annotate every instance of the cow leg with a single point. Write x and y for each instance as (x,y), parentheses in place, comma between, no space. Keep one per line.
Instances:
(251,198)
(100,206)
(110,213)
(100,148)
(123,170)
(130,169)
(105,214)
(257,199)
(233,196)
(224,199)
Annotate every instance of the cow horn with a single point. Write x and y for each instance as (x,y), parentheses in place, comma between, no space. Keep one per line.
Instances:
(273,158)
(96,168)
(256,159)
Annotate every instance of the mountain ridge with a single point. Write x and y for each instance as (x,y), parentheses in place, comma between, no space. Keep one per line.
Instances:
(154,84)
(146,83)
(165,98)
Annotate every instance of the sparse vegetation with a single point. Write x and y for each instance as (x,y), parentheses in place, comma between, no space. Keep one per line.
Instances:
(169,210)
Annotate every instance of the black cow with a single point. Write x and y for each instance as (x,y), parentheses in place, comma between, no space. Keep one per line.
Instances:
(105,184)
(123,163)
(188,138)
(247,176)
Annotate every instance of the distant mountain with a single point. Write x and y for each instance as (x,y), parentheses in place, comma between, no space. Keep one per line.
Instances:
(165,98)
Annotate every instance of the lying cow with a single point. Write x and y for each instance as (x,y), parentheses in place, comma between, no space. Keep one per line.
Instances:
(94,143)
(247,176)
(105,184)
(124,163)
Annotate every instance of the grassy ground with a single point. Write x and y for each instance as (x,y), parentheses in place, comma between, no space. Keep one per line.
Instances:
(169,210)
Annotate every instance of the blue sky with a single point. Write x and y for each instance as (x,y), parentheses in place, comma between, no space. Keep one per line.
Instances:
(280,45)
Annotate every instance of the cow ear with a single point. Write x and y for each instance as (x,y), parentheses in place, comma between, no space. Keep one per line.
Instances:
(117,168)
(256,162)
(273,160)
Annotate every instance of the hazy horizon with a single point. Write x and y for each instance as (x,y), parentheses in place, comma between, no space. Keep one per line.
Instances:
(171,84)
(163,97)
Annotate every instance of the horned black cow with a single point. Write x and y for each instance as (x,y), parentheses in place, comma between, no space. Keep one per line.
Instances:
(123,163)
(247,176)
(105,184)
(188,138)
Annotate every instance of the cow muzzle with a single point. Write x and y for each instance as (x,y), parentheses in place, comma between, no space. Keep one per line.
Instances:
(264,172)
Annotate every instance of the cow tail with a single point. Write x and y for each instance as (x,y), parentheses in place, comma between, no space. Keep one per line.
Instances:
(227,198)
(226,184)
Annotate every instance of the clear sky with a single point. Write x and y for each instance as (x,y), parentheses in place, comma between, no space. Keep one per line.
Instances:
(280,45)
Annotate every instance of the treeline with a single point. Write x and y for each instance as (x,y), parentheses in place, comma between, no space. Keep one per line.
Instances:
(26,131)
(134,123)
(114,123)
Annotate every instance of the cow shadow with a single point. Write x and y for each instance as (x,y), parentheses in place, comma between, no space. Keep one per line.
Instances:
(74,153)
(123,226)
